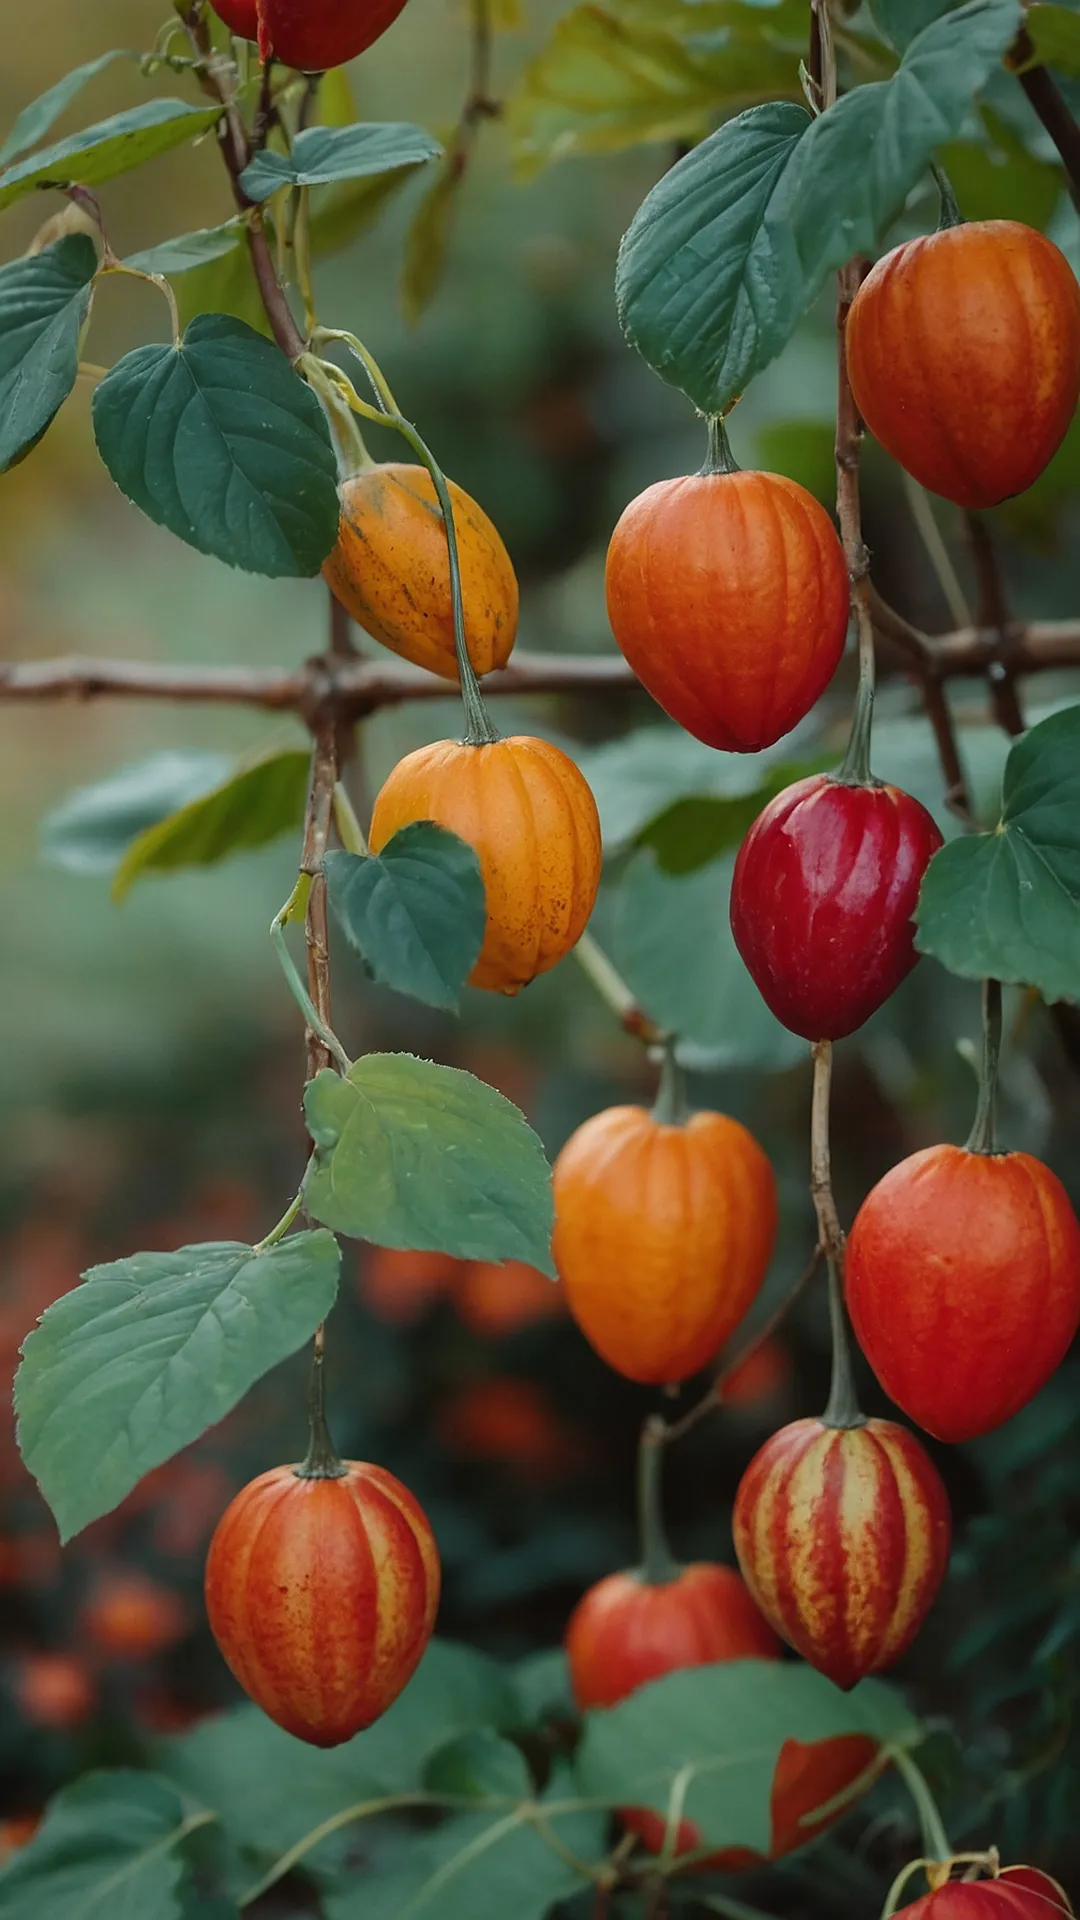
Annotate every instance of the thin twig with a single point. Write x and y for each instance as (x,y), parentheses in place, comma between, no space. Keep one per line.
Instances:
(848,508)
(994,611)
(830,1232)
(1045,96)
(674,1429)
(937,552)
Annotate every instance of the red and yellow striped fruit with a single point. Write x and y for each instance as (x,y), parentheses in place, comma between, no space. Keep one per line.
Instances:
(321,1592)
(1018,1893)
(663,1234)
(843,1535)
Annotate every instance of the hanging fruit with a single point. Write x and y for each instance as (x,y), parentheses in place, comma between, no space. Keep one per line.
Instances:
(529,813)
(322,1585)
(391,571)
(728,594)
(664,1228)
(822,895)
(963,351)
(842,1534)
(316,34)
(240,16)
(1016,1893)
(963,1284)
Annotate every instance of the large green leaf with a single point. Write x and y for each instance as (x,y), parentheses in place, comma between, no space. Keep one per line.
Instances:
(33,123)
(90,830)
(321,155)
(718,1730)
(44,305)
(253,806)
(189,250)
(736,241)
(479,1765)
(692,832)
(411,1154)
(673,944)
(148,1352)
(270,1790)
(901,21)
(220,441)
(428,238)
(111,147)
(415,912)
(1055,37)
(106,1850)
(1006,905)
(640,777)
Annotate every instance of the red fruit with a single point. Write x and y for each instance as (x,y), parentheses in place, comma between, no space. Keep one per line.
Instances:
(322,1594)
(963,349)
(1020,1893)
(512,1422)
(54,1689)
(497,1300)
(843,1539)
(624,1631)
(963,1283)
(131,1617)
(240,16)
(762,1379)
(822,896)
(316,34)
(728,594)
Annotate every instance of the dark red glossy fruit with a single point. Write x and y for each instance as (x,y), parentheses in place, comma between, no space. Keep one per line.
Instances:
(626,1630)
(240,16)
(1019,1893)
(963,1283)
(316,34)
(824,888)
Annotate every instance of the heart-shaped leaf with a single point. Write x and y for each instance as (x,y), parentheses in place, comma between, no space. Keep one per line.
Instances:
(415,912)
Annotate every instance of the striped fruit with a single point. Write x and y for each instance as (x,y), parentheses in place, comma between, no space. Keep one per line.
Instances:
(321,1593)
(1018,1893)
(963,1284)
(842,1535)
(530,815)
(663,1234)
(963,349)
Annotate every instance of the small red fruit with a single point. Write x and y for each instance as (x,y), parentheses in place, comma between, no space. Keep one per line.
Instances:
(963,1284)
(240,16)
(321,1593)
(842,1535)
(1019,1893)
(963,350)
(316,34)
(728,594)
(822,895)
(626,1630)
(54,1689)
(131,1617)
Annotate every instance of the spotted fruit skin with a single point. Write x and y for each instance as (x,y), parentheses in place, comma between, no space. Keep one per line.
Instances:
(822,895)
(316,34)
(728,595)
(843,1539)
(240,16)
(963,1284)
(390,570)
(1018,1893)
(530,815)
(663,1235)
(322,1595)
(963,350)
(624,1631)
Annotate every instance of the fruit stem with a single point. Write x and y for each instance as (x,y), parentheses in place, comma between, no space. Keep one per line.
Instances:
(935,1839)
(951,215)
(671,1107)
(658,1565)
(855,770)
(719,458)
(843,1410)
(982,1138)
(321,1462)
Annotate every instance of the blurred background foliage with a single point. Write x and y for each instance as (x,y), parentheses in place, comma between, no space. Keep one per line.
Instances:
(152,1060)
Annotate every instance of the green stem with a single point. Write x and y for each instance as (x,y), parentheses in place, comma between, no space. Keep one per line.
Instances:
(896,1891)
(935,1840)
(301,240)
(855,770)
(671,1107)
(278,1233)
(658,1565)
(982,1138)
(349,443)
(302,997)
(350,832)
(951,215)
(321,1462)
(843,1410)
(719,459)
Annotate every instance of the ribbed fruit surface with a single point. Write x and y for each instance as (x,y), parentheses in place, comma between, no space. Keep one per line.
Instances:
(624,1632)
(1019,1893)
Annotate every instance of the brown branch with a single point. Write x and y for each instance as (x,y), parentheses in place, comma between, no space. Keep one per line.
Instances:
(1045,96)
(993,611)
(939,713)
(830,1232)
(848,436)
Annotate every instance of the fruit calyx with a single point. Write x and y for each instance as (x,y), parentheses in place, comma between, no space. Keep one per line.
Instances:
(671,1107)
(719,459)
(983,1135)
(855,767)
(659,1567)
(951,215)
(321,1461)
(843,1410)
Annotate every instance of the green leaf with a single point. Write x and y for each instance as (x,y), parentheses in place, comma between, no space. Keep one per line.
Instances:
(415,912)
(543,1686)
(220,441)
(225,285)
(642,779)
(999,179)
(110,148)
(426,242)
(148,1352)
(721,1728)
(1055,37)
(189,250)
(340,214)
(479,1766)
(44,305)
(270,1790)
(901,21)
(106,1850)
(321,155)
(1006,905)
(694,831)
(253,806)
(673,945)
(35,120)
(410,1154)
(89,831)
(735,242)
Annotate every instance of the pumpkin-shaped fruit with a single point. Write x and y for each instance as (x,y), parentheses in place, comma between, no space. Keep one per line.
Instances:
(321,1593)
(963,351)
(822,895)
(663,1234)
(1018,1893)
(529,814)
(728,594)
(627,1630)
(240,16)
(316,34)
(842,1535)
(963,1284)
